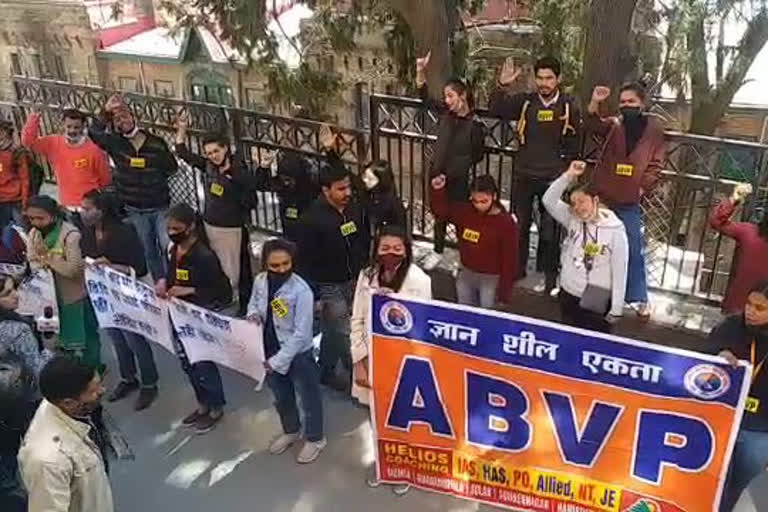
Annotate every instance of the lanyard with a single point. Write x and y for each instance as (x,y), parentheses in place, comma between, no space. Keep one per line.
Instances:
(588,240)
(756,369)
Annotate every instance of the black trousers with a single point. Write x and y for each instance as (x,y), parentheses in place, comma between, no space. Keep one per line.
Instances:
(527,189)
(574,315)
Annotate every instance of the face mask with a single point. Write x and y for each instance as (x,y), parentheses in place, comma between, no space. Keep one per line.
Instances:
(90,217)
(132,133)
(179,237)
(76,140)
(390,261)
(278,278)
(631,114)
(370,179)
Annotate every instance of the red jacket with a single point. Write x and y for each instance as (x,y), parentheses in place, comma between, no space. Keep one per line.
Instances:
(14,177)
(750,264)
(487,243)
(622,179)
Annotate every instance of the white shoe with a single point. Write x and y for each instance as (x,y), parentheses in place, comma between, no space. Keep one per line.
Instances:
(282,443)
(555,292)
(401,489)
(311,451)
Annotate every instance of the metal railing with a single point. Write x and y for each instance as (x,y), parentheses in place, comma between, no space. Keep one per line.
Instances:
(684,255)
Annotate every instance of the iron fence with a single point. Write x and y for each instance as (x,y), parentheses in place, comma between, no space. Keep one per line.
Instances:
(684,254)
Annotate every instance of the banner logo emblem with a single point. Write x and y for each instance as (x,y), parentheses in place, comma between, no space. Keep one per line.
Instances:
(707,381)
(396,318)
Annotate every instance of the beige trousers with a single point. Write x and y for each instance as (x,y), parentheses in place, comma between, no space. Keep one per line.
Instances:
(226,243)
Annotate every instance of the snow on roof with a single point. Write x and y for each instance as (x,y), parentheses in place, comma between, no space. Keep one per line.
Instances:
(219,50)
(157,42)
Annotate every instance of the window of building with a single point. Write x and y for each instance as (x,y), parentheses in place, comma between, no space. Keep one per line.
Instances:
(37,66)
(212,93)
(360,63)
(16,64)
(59,69)
(164,88)
(346,62)
(128,84)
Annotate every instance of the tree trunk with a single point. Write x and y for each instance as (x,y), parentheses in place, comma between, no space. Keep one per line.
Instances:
(606,60)
(432,24)
(711,104)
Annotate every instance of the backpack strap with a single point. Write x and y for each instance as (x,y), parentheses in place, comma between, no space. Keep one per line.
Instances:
(567,126)
(522,123)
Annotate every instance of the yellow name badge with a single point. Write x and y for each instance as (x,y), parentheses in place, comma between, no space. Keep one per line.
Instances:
(546,116)
(217,189)
(592,249)
(139,163)
(625,169)
(80,163)
(471,236)
(279,308)
(182,274)
(753,404)
(348,228)
(291,213)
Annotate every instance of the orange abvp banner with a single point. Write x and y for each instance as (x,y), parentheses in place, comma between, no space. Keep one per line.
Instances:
(536,416)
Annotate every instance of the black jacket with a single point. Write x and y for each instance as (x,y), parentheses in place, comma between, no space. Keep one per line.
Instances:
(384,208)
(460,145)
(140,177)
(550,137)
(200,268)
(121,245)
(733,334)
(229,196)
(333,246)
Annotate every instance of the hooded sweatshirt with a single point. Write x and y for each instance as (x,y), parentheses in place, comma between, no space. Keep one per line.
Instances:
(609,268)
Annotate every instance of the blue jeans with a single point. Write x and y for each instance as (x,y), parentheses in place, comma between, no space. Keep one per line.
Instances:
(150,226)
(10,212)
(303,377)
(750,458)
(13,498)
(206,381)
(334,302)
(637,282)
(132,348)
(476,289)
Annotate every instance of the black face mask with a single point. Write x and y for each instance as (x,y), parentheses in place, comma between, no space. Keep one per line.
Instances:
(631,114)
(179,237)
(278,279)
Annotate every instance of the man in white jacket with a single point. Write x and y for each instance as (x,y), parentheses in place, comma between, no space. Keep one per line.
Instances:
(594,257)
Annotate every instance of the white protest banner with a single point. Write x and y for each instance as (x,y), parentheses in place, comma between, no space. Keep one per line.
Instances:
(36,293)
(12,269)
(209,336)
(124,302)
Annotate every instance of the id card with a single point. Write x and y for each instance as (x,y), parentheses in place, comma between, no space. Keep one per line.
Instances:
(753,405)
(546,116)
(279,308)
(592,249)
(182,274)
(138,163)
(217,189)
(348,228)
(291,213)
(625,169)
(471,236)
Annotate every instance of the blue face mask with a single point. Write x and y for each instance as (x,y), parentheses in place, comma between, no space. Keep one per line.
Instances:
(631,114)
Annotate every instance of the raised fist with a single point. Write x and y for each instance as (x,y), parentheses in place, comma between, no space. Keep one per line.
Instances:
(423,62)
(601,93)
(509,72)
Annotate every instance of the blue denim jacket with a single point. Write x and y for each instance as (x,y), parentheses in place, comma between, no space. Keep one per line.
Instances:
(294,329)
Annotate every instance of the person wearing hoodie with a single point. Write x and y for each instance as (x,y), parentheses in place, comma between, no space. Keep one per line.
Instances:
(594,255)
(628,167)
(745,336)
(383,205)
(14,177)
(488,238)
(79,165)
(460,139)
(55,244)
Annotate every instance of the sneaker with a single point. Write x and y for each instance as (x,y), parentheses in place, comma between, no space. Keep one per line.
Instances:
(555,293)
(193,418)
(282,443)
(311,451)
(207,422)
(122,390)
(146,396)
(401,489)
(643,311)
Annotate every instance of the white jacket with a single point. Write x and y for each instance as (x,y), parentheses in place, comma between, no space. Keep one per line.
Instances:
(609,270)
(417,285)
(61,467)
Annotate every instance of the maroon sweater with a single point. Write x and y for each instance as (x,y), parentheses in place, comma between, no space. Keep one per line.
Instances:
(750,264)
(487,243)
(622,178)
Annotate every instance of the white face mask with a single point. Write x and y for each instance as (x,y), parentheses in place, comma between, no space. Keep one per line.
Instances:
(370,179)
(76,141)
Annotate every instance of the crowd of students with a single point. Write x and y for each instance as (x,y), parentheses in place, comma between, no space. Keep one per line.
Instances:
(344,238)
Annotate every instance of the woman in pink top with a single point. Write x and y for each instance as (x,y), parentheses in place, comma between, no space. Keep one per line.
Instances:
(750,265)
(80,166)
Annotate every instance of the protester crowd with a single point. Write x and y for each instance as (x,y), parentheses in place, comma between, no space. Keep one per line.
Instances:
(345,238)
